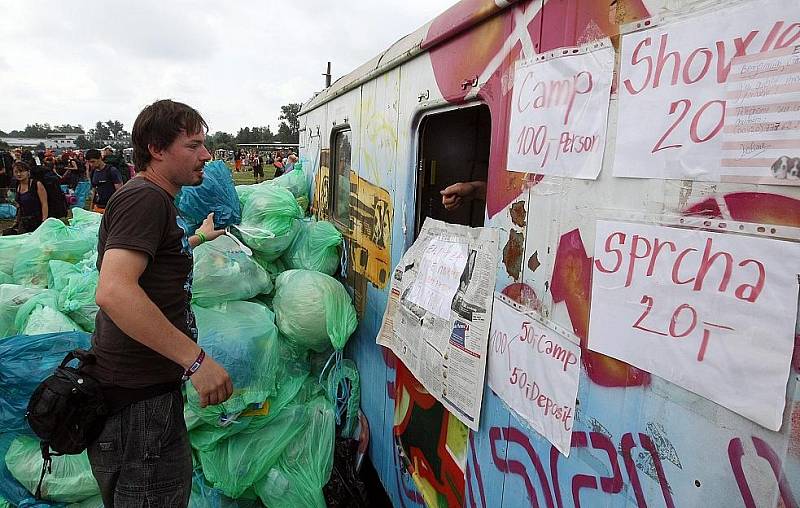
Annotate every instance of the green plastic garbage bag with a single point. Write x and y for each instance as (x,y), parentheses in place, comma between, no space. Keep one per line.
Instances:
(293,378)
(9,250)
(222,272)
(40,315)
(273,268)
(76,286)
(266,245)
(71,478)
(206,496)
(272,208)
(242,337)
(5,504)
(84,219)
(313,310)
(316,247)
(303,202)
(6,278)
(52,240)
(236,463)
(245,191)
(12,297)
(306,464)
(294,181)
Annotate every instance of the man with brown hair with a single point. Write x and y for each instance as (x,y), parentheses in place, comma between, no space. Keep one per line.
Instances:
(146,338)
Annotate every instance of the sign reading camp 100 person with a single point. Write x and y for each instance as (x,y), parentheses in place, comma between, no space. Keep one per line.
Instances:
(712,312)
(559,112)
(713,97)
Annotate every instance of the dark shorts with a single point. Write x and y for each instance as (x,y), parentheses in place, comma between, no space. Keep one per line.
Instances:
(142,457)
(258,171)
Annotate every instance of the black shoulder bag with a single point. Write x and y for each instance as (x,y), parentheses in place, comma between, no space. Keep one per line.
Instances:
(66,411)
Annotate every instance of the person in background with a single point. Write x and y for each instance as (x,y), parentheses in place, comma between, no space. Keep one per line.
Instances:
(258,167)
(117,160)
(67,168)
(238,160)
(31,199)
(278,166)
(47,175)
(290,161)
(33,162)
(105,180)
(145,341)
(6,173)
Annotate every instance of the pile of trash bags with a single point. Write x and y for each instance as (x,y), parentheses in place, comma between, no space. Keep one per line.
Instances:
(268,309)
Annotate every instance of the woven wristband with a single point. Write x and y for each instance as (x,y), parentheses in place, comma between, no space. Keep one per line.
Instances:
(194,367)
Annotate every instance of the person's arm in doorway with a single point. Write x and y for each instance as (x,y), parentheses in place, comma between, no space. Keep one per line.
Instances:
(455,195)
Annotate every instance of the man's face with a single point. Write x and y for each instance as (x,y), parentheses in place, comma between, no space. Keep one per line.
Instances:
(185,158)
(94,163)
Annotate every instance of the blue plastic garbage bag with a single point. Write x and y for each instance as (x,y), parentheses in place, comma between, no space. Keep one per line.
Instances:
(27,360)
(82,193)
(7,211)
(217,194)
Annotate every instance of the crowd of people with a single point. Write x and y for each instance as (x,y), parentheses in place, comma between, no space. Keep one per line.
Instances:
(283,163)
(44,184)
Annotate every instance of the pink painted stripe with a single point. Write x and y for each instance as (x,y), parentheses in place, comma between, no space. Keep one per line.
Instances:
(786,69)
(762,144)
(763,109)
(762,92)
(746,163)
(757,57)
(792,125)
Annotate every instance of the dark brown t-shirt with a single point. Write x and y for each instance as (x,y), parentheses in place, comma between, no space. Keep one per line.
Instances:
(142,216)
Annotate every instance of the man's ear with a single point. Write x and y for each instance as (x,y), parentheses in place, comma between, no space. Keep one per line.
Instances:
(155,153)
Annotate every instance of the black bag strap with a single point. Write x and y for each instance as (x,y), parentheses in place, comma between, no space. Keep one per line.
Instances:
(84,358)
(47,466)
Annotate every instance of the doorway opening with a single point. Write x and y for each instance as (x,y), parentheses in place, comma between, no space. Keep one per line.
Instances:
(453,147)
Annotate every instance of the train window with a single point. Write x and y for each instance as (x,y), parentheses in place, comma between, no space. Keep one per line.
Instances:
(340,177)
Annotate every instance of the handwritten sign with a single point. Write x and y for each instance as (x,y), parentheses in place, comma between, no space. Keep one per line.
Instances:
(535,370)
(761,136)
(711,312)
(679,85)
(559,113)
(440,271)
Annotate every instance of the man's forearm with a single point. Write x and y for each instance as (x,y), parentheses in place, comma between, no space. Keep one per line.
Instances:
(139,318)
(478,190)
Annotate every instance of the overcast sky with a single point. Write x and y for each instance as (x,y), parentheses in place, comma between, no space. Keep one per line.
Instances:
(236,61)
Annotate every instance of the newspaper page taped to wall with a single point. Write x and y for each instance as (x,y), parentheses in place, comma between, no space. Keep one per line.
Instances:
(439,311)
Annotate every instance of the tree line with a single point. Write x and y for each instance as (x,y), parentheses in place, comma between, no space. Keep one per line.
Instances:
(113,132)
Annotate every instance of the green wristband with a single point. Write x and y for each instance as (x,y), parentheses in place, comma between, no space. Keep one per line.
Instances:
(201,236)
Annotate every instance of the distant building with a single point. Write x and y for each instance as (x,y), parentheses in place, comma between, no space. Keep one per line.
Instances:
(54,140)
(62,139)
